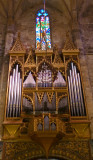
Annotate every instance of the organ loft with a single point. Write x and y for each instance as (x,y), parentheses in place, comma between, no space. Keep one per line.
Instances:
(46,110)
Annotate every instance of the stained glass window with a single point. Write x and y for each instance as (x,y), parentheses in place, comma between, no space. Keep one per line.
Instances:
(43,40)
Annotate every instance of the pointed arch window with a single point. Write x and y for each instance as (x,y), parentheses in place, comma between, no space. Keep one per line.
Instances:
(43,40)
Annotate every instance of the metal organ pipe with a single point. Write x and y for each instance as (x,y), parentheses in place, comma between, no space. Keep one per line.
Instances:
(17,100)
(8,106)
(78,93)
(81,96)
(14,94)
(20,88)
(70,95)
(72,90)
(75,93)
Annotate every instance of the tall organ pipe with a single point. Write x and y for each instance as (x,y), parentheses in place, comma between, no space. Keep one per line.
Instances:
(72,90)
(17,99)
(70,94)
(14,94)
(15,91)
(8,106)
(20,84)
(75,91)
(81,95)
(78,92)
(11,103)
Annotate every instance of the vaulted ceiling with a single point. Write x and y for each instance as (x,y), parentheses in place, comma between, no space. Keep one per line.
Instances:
(64,6)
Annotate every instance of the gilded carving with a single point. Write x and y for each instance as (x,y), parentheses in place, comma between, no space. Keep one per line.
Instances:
(50,96)
(18,46)
(40,96)
(30,60)
(61,126)
(68,43)
(22,150)
(71,149)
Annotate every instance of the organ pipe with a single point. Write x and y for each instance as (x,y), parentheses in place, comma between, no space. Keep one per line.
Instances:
(8,109)
(17,100)
(72,90)
(11,104)
(71,103)
(78,93)
(81,94)
(14,94)
(75,93)
(15,91)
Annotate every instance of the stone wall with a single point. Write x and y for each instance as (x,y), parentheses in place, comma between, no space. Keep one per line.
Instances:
(2,92)
(26,24)
(86,26)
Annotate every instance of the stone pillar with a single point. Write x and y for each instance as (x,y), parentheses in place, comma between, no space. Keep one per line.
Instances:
(4,73)
(76,33)
(10,28)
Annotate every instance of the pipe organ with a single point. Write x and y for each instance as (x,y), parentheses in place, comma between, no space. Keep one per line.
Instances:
(75,93)
(14,94)
(45,82)
(45,97)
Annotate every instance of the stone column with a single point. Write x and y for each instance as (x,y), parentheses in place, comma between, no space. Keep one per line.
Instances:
(4,74)
(77,37)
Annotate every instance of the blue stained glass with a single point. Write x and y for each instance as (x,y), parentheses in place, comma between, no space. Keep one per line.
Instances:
(39,14)
(42,11)
(45,14)
(42,30)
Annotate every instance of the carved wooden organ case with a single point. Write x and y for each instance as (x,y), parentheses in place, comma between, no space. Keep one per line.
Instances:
(45,93)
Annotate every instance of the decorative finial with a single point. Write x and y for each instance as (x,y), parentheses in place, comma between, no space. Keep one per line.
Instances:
(19,35)
(67,34)
(31,48)
(56,47)
(68,43)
